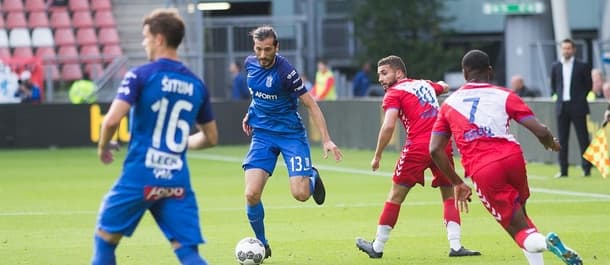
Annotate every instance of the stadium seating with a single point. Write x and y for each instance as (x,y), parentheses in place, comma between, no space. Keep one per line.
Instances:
(72,39)
(38,19)
(23,52)
(90,54)
(79,5)
(16,19)
(60,19)
(108,36)
(47,54)
(3,38)
(12,6)
(35,5)
(86,36)
(104,18)
(42,37)
(82,19)
(19,37)
(64,36)
(110,52)
(71,71)
(99,5)
(68,54)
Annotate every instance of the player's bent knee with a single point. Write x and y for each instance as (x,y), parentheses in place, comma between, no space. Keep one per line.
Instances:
(253,197)
(301,195)
(111,238)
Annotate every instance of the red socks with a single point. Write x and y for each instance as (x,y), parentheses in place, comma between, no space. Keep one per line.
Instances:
(450,213)
(389,215)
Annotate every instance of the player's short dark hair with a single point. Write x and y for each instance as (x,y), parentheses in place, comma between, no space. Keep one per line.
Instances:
(570,41)
(167,22)
(394,62)
(475,60)
(264,32)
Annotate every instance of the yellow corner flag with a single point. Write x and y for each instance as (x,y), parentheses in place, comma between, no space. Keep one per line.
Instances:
(597,152)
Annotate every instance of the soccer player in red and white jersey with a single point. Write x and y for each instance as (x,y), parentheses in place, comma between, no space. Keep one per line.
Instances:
(478,115)
(414,103)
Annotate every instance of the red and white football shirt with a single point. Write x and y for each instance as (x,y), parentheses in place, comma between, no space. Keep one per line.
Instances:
(478,115)
(417,105)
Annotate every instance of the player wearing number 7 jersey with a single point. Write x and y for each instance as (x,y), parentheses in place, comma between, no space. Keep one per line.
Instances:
(165,99)
(478,115)
(276,127)
(414,102)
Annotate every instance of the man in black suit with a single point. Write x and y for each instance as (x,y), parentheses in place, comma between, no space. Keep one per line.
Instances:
(571,82)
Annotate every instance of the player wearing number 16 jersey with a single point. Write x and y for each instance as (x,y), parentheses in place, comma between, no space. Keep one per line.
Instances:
(415,103)
(165,99)
(478,115)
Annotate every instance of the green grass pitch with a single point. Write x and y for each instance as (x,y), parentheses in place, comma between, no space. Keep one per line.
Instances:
(49,200)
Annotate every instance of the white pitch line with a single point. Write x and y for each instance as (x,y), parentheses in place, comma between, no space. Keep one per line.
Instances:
(296,206)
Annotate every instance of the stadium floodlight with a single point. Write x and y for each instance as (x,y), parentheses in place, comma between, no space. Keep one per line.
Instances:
(213,6)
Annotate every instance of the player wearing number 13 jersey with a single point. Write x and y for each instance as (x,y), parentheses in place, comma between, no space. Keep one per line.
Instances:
(478,115)
(166,99)
(415,103)
(276,127)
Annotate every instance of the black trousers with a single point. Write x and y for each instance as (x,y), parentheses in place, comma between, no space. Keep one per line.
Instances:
(569,114)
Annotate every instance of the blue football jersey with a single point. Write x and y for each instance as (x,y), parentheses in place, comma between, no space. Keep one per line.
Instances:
(166,100)
(275,93)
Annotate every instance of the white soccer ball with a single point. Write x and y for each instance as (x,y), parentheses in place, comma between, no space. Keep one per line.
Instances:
(250,251)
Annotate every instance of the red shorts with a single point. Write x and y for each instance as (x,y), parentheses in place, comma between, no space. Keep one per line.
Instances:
(414,160)
(502,187)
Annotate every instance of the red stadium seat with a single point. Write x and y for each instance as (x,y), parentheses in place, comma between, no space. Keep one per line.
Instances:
(98,5)
(108,36)
(23,52)
(71,71)
(60,18)
(82,19)
(94,70)
(104,19)
(79,5)
(5,53)
(110,52)
(51,70)
(38,19)
(47,54)
(35,5)
(16,19)
(64,36)
(90,54)
(86,36)
(68,54)
(42,37)
(12,5)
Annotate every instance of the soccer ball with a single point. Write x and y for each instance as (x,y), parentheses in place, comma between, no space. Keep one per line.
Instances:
(250,251)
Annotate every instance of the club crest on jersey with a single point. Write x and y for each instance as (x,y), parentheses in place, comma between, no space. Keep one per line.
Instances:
(152,193)
(269,81)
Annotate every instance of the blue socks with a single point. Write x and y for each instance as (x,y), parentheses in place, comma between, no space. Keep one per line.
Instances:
(103,252)
(256,216)
(188,255)
(312,181)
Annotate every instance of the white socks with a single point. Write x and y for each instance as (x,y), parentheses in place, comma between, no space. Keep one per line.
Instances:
(382,236)
(453,234)
(534,258)
(535,242)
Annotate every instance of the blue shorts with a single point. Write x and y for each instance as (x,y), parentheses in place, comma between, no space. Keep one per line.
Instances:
(174,209)
(265,148)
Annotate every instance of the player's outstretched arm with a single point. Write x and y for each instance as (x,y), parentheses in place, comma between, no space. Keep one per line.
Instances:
(118,110)
(206,137)
(385,135)
(542,133)
(320,122)
(462,193)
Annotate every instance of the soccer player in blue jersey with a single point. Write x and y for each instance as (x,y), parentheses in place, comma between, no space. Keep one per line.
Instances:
(276,127)
(165,99)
